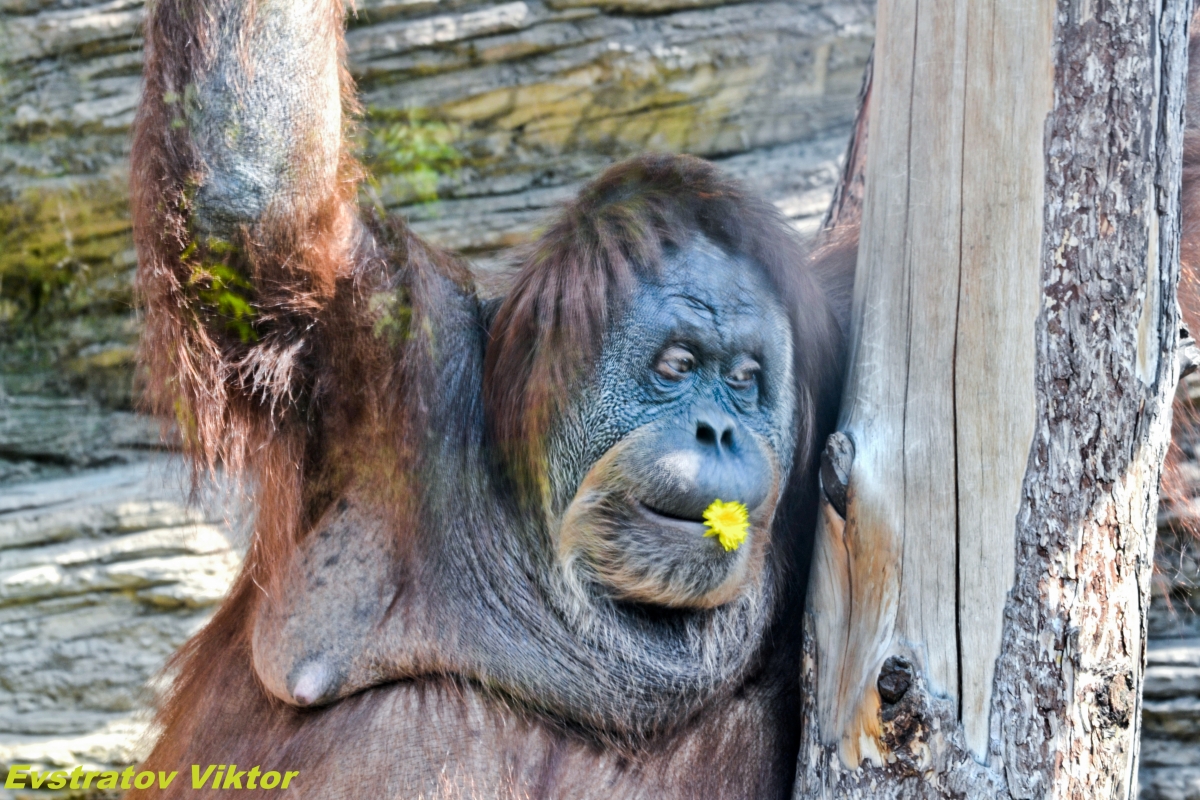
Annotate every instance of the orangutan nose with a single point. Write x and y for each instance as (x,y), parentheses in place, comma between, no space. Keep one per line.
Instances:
(715,457)
(715,429)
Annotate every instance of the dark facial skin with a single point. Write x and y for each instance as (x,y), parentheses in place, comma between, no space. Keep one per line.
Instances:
(694,403)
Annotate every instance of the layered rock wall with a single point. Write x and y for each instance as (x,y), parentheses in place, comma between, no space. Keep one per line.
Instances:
(495,112)
(105,569)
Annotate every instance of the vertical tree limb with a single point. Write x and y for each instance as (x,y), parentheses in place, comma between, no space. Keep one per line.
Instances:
(975,175)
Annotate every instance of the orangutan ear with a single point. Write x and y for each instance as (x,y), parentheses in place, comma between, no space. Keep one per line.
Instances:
(321,629)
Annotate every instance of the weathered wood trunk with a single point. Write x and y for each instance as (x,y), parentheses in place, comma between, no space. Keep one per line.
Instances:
(976,622)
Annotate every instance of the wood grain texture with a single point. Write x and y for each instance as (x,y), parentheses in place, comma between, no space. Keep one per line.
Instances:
(901,526)
(900,389)
(1010,82)
(845,209)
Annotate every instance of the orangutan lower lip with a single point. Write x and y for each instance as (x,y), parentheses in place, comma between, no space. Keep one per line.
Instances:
(661,516)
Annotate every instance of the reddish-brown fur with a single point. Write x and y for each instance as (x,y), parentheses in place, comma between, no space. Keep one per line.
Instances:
(316,402)
(200,375)
(367,398)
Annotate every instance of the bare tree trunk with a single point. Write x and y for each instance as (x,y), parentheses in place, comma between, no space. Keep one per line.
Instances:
(976,622)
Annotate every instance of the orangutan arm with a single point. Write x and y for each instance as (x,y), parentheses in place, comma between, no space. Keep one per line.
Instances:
(265,118)
(263,287)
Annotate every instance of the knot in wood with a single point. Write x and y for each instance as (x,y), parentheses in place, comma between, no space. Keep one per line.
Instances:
(1187,354)
(836,460)
(895,678)
(1115,700)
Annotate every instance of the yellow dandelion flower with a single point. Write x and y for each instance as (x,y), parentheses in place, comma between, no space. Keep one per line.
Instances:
(729,522)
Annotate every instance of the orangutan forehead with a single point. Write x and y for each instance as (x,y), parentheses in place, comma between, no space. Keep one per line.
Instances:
(703,286)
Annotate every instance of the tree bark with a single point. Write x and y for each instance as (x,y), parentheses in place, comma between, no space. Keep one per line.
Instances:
(976,620)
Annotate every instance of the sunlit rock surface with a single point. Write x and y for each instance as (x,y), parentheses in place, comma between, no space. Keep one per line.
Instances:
(1171,721)
(508,108)
(105,569)
(1170,755)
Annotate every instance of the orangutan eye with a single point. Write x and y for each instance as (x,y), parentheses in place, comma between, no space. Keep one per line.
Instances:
(745,375)
(675,363)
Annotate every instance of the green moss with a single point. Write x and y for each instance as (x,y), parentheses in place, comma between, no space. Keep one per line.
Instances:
(222,291)
(66,290)
(60,252)
(414,151)
(67,263)
(393,316)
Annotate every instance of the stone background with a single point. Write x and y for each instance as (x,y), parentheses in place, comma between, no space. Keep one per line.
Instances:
(504,107)
(479,119)
(1170,767)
